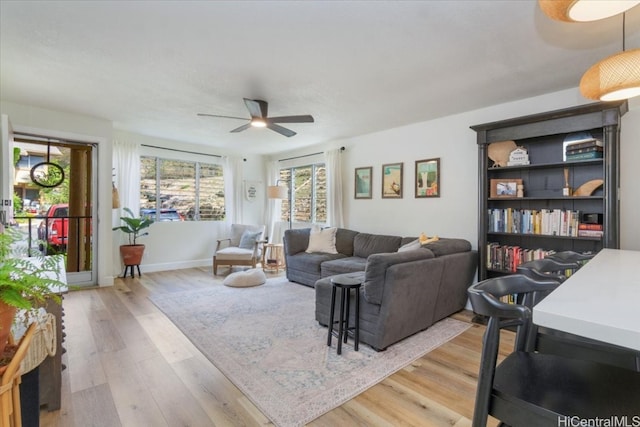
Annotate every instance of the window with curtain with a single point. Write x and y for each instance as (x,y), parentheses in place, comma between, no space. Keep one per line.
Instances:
(175,190)
(309,196)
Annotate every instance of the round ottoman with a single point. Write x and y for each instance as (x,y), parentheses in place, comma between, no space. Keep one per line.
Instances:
(246,278)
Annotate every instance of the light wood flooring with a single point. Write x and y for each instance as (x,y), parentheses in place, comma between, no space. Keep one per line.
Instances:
(128,365)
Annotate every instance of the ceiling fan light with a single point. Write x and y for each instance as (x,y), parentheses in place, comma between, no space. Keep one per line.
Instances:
(613,78)
(584,10)
(258,123)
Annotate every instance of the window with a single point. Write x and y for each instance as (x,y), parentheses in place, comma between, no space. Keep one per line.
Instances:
(192,189)
(309,195)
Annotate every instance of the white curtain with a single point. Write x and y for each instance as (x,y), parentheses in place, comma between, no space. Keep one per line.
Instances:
(126,171)
(233,189)
(334,188)
(272,211)
(126,178)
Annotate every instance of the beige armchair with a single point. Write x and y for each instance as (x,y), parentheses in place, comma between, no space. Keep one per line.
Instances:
(243,247)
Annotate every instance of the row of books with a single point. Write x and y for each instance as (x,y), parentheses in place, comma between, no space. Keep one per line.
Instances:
(552,222)
(508,258)
(584,150)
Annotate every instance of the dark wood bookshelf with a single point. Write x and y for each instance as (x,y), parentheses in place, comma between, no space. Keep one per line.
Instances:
(543,136)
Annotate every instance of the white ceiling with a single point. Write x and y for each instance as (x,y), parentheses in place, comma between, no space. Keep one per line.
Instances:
(356,66)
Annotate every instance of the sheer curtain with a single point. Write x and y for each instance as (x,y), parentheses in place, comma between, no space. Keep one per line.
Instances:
(334,188)
(126,171)
(233,189)
(272,211)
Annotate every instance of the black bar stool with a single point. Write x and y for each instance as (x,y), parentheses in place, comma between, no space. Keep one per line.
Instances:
(345,283)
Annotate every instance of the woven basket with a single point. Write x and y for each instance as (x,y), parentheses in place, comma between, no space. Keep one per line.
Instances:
(42,345)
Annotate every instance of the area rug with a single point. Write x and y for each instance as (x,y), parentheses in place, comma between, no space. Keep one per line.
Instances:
(266,340)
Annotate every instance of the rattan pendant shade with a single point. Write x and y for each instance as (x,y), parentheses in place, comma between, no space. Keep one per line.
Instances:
(584,10)
(613,78)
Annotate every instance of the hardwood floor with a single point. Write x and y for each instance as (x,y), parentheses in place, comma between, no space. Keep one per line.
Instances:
(128,365)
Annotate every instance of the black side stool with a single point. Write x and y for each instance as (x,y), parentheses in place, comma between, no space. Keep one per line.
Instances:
(345,283)
(127,267)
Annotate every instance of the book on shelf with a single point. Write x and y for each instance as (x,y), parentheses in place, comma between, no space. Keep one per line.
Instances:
(585,226)
(551,222)
(584,150)
(585,156)
(586,143)
(509,257)
(590,233)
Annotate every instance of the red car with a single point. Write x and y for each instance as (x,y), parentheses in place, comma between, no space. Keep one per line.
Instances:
(55,228)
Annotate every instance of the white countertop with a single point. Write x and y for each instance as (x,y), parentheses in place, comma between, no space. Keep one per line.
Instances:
(600,301)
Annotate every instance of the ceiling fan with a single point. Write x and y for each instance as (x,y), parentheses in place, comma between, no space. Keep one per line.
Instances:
(258,110)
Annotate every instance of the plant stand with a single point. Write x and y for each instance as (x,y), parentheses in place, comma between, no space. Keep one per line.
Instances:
(127,267)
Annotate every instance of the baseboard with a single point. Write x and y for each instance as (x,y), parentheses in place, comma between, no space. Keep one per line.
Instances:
(152,268)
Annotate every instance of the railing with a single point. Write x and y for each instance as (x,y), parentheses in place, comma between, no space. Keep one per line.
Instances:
(43,239)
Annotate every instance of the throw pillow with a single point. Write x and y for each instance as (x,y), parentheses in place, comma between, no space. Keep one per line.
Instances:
(322,240)
(248,239)
(424,239)
(410,246)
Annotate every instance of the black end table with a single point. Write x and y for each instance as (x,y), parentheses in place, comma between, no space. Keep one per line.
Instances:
(345,283)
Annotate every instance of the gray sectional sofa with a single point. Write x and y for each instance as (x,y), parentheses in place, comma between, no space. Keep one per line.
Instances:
(403,292)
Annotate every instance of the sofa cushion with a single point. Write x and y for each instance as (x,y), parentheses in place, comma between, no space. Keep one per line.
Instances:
(377,265)
(342,265)
(448,246)
(344,241)
(310,262)
(365,244)
(322,240)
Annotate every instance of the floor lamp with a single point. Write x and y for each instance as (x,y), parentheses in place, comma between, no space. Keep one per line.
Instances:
(280,192)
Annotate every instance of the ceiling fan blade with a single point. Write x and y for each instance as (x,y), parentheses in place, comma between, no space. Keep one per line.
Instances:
(224,117)
(241,128)
(256,107)
(281,130)
(291,119)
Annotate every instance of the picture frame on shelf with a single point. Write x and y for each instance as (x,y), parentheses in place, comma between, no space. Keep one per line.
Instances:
(504,187)
(392,181)
(427,178)
(362,184)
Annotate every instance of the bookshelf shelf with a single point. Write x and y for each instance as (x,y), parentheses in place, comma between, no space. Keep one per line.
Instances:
(545,137)
(543,236)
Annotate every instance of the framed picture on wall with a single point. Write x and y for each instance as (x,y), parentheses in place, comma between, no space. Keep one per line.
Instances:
(392,181)
(363,183)
(427,178)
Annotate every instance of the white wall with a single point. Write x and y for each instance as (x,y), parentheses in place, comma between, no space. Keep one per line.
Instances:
(454,213)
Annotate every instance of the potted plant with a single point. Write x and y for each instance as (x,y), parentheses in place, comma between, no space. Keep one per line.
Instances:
(132,253)
(25,283)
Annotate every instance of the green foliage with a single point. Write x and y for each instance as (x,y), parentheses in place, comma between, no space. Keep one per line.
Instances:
(59,194)
(133,226)
(25,282)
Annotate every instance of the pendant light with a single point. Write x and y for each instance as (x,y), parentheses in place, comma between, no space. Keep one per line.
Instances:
(614,78)
(584,10)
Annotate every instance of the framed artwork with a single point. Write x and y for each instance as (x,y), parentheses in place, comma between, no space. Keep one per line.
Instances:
(428,178)
(392,181)
(507,187)
(363,183)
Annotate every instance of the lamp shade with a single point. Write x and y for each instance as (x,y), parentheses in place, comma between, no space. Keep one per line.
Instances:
(277,192)
(613,78)
(584,10)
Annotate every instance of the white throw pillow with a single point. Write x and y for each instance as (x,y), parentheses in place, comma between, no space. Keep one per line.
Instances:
(415,244)
(322,240)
